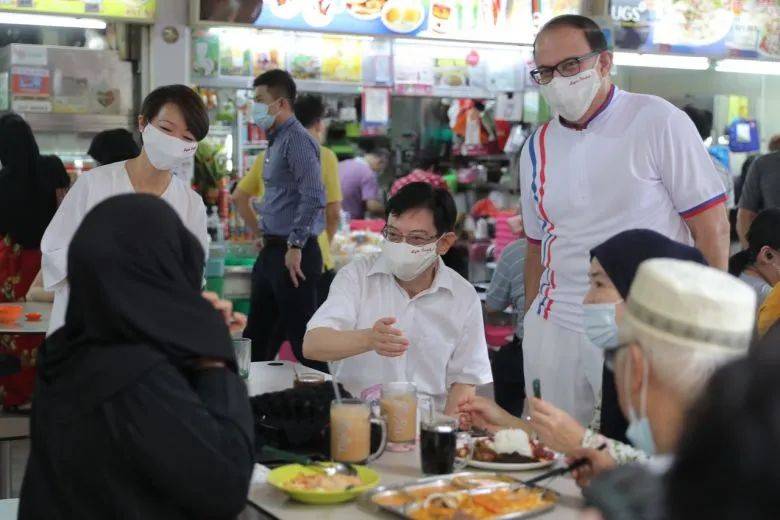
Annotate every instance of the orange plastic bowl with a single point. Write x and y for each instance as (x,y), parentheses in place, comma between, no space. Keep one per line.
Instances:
(10,313)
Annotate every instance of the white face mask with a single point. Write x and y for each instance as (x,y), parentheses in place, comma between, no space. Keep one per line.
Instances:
(571,97)
(165,151)
(408,262)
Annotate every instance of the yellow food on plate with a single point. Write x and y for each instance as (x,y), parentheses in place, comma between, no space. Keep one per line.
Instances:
(484,506)
(325,483)
(411,16)
(393,15)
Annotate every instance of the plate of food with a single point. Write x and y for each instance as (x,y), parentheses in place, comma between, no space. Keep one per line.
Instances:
(403,16)
(312,486)
(365,9)
(510,450)
(484,504)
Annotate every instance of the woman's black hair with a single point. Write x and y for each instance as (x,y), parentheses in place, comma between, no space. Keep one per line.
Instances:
(309,110)
(590,29)
(764,231)
(110,146)
(421,195)
(189,102)
(726,464)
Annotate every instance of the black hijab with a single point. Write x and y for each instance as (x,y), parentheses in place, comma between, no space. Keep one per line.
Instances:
(135,273)
(621,255)
(27,184)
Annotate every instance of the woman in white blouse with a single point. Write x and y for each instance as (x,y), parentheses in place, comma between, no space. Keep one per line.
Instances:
(173,119)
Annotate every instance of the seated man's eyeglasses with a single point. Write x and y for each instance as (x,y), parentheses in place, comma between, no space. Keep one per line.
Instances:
(415,238)
(566,68)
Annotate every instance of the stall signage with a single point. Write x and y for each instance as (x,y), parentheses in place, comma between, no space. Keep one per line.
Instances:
(717,28)
(127,10)
(503,21)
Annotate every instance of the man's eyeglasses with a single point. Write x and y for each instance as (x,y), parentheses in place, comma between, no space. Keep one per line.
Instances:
(567,68)
(413,239)
(611,355)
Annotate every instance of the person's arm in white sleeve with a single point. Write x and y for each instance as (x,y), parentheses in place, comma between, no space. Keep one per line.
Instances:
(331,334)
(56,239)
(469,365)
(693,184)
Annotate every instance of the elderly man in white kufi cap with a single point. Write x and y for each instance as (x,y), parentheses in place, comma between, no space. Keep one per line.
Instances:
(682,321)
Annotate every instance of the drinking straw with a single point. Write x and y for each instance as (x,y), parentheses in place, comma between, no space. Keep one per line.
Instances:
(335,384)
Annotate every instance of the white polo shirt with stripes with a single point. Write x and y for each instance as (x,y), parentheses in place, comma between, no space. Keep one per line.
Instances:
(637,163)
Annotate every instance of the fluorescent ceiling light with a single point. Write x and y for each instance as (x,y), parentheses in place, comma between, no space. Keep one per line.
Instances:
(749,67)
(51,21)
(661,61)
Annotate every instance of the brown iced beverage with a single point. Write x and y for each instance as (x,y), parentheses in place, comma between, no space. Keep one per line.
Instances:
(350,431)
(399,407)
(401,413)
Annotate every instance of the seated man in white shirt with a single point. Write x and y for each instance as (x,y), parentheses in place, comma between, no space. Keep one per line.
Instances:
(402,315)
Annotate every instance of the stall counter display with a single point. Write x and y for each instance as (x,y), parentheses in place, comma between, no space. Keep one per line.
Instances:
(66,80)
(500,21)
(716,28)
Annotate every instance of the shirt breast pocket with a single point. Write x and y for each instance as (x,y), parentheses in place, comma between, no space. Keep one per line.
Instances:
(429,354)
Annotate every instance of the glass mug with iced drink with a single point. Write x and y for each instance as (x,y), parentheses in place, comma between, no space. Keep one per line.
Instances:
(399,408)
(443,449)
(350,432)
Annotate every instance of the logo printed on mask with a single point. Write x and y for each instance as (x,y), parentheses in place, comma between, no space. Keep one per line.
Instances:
(165,151)
(571,98)
(408,262)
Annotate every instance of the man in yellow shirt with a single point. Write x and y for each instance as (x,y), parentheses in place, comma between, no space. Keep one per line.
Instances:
(309,110)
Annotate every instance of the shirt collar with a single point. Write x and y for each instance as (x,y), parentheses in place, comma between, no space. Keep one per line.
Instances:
(280,129)
(442,279)
(602,108)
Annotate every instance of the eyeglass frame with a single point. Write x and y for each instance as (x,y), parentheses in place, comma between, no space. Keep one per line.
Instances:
(429,240)
(554,68)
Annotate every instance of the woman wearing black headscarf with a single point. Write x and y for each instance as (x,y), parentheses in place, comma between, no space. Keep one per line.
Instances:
(138,411)
(28,200)
(614,264)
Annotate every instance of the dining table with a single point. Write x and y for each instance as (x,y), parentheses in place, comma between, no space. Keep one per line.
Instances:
(393,468)
(23,326)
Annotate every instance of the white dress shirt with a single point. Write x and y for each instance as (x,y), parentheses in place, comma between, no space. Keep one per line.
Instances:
(443,325)
(91,189)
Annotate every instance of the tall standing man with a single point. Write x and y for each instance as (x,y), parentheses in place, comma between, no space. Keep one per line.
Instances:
(285,276)
(609,161)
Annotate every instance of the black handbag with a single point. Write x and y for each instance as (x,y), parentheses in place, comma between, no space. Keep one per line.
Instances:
(295,420)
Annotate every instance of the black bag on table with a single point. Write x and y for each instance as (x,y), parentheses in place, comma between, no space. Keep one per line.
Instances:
(295,420)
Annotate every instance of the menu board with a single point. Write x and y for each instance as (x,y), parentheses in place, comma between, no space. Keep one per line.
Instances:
(128,10)
(737,28)
(504,21)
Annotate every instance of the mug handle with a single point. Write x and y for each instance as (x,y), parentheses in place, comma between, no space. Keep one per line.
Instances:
(383,443)
(463,439)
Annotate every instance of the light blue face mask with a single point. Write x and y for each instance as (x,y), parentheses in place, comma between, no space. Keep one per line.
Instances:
(639,432)
(601,325)
(261,117)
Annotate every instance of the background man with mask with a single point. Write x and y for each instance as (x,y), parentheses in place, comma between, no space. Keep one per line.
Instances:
(402,315)
(608,161)
(285,276)
(310,112)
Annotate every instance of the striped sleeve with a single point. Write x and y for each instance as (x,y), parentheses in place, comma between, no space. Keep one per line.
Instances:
(303,158)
